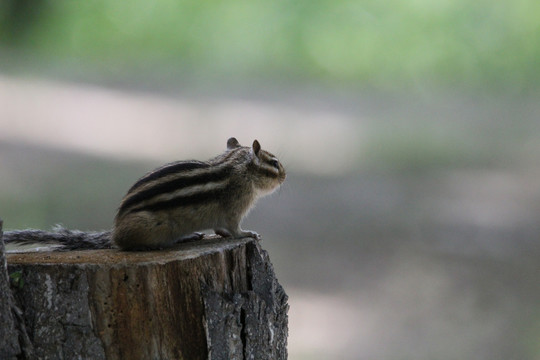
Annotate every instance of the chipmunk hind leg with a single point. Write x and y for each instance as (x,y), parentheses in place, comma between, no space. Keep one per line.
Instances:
(138,232)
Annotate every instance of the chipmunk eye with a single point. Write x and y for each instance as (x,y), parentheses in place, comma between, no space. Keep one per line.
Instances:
(274,163)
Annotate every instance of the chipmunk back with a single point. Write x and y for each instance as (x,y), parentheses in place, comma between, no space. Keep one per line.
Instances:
(181,198)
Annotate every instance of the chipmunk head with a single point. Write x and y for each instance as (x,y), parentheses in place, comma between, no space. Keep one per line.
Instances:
(266,168)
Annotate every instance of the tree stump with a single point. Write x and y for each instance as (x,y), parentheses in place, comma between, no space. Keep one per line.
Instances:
(209,299)
(9,343)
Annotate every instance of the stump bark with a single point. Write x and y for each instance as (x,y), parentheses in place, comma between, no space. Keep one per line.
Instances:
(210,299)
(9,342)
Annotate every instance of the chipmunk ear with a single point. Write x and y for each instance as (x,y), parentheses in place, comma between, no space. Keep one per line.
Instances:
(256,147)
(232,143)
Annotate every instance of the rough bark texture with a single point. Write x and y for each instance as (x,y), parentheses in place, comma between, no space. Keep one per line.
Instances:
(9,342)
(211,299)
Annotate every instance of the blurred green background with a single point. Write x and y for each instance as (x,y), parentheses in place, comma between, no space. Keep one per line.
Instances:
(485,45)
(408,227)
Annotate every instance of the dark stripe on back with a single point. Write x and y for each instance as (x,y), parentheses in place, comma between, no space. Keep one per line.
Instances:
(187,200)
(168,170)
(213,175)
(229,154)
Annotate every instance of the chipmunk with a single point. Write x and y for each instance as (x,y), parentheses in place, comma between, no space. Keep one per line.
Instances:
(174,202)
(180,198)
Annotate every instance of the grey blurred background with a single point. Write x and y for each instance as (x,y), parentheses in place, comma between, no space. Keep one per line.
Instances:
(408,227)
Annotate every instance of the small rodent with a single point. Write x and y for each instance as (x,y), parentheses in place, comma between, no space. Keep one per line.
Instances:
(179,199)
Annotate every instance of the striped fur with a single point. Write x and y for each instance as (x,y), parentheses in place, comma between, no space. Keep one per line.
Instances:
(177,167)
(178,185)
(182,197)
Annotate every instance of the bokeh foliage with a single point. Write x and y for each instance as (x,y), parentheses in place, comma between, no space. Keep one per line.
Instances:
(483,44)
